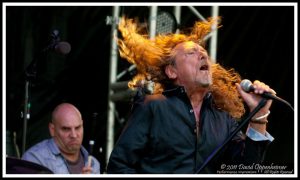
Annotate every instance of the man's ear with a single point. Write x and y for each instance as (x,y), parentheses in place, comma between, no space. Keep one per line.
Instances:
(51,129)
(171,72)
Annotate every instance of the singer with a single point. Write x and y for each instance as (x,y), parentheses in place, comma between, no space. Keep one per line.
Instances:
(195,105)
(64,153)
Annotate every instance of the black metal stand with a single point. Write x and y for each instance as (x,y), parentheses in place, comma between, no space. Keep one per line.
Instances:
(30,75)
(26,115)
(243,123)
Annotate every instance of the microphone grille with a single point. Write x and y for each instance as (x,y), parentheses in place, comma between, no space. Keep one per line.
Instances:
(246,85)
(63,48)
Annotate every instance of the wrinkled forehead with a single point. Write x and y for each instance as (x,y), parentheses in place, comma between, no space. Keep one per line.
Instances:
(188,45)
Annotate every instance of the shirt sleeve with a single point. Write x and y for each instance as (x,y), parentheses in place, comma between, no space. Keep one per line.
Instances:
(256,136)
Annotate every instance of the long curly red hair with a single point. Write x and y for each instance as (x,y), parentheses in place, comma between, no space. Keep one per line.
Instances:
(151,56)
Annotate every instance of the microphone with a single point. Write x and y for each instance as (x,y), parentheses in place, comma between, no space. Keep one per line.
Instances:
(58,46)
(90,152)
(248,87)
(62,47)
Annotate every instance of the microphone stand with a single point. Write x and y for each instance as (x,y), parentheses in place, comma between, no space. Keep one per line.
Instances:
(261,104)
(30,74)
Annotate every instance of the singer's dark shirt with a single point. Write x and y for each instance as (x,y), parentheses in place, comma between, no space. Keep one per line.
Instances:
(160,137)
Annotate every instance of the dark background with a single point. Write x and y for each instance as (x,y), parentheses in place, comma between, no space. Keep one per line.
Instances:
(257,41)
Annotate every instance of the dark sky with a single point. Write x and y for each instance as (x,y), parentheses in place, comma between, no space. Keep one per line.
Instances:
(257,41)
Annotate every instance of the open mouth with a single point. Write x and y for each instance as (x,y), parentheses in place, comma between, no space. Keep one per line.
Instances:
(204,68)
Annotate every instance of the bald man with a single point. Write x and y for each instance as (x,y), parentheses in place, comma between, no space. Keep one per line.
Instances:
(64,153)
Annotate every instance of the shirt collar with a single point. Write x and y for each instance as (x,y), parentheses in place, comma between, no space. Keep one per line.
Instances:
(174,91)
(55,150)
(53,147)
(180,90)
